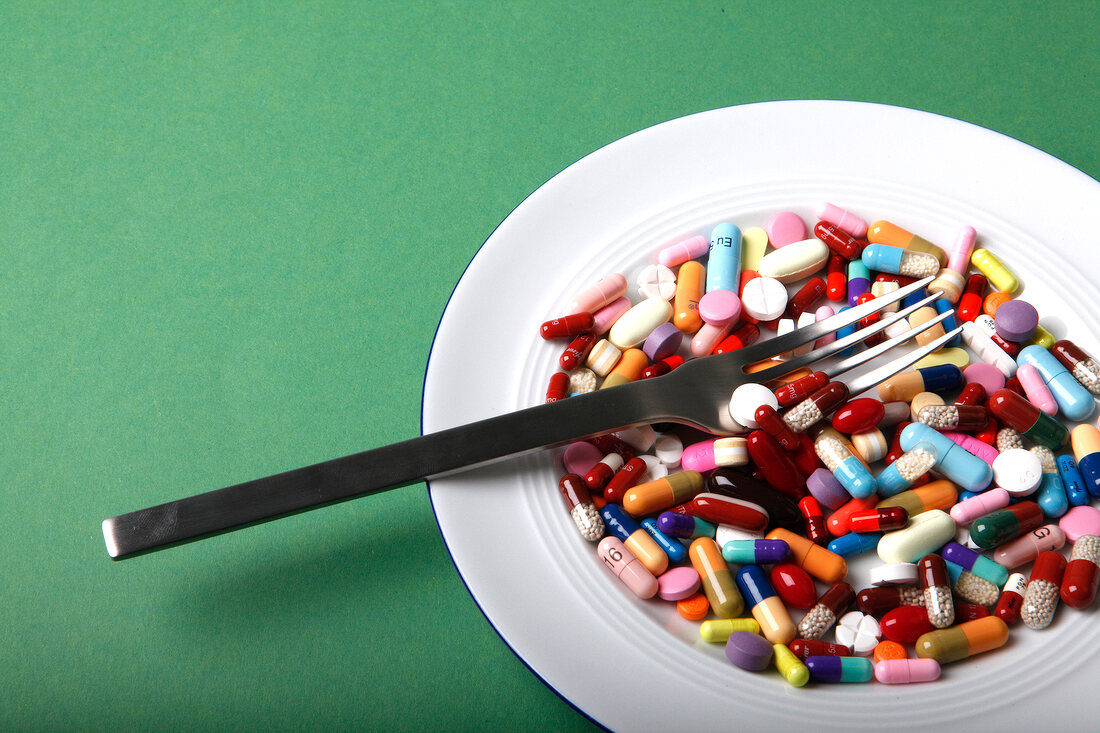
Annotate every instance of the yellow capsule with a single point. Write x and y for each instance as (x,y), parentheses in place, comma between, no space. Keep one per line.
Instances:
(946,355)
(790,666)
(1042,338)
(994,271)
(717,631)
(754,243)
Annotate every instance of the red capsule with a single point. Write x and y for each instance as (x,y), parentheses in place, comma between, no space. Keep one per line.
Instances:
(896,451)
(625,478)
(794,585)
(1069,354)
(771,423)
(798,390)
(598,476)
(806,648)
(573,491)
(567,326)
(969,612)
(970,304)
(838,598)
(1008,347)
(858,415)
(610,443)
(558,388)
(806,457)
(577,351)
(815,520)
(839,241)
(1011,601)
(988,434)
(838,520)
(719,509)
(825,399)
(776,465)
(878,600)
(972,394)
(1079,582)
(664,366)
(905,624)
(742,337)
(836,281)
(807,295)
(1050,566)
(1016,412)
(889,277)
(878,520)
(877,338)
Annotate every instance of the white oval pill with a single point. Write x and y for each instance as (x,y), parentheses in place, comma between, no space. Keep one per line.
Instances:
(1017,471)
(764,298)
(633,326)
(656,281)
(894,573)
(745,401)
(795,261)
(926,532)
(654,468)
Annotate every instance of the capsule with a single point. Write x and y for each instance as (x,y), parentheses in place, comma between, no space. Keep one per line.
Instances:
(755,552)
(854,543)
(963,468)
(782,510)
(1076,491)
(791,667)
(963,641)
(925,533)
(1083,367)
(976,563)
(848,469)
(840,669)
(967,418)
(878,519)
(627,568)
(838,240)
(744,336)
(908,263)
(988,264)
(859,282)
(724,258)
(804,648)
(1043,590)
(823,616)
(690,283)
(798,390)
(628,369)
(1011,601)
(1005,524)
(907,469)
(837,523)
(625,478)
(1051,495)
(908,384)
(663,493)
(940,495)
(938,602)
(636,539)
(814,516)
(905,624)
(684,526)
(836,279)
(581,507)
(1017,413)
(726,510)
(718,584)
(1082,574)
(718,631)
(967,511)
(1074,401)
(1025,548)
(598,476)
(814,559)
(774,425)
(879,600)
(568,326)
(577,351)
(907,671)
(813,409)
(1085,441)
(767,608)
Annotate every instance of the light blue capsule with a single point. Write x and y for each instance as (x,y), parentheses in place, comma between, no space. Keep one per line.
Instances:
(1051,496)
(965,469)
(724,259)
(1074,401)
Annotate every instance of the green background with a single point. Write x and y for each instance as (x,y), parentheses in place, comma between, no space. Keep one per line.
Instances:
(229,231)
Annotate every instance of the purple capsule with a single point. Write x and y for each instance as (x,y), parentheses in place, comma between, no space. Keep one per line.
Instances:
(684,526)
(755,552)
(840,669)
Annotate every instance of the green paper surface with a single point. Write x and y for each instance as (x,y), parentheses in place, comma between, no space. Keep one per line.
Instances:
(229,231)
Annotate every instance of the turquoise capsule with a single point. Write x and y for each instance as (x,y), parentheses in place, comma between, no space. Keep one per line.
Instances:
(1051,496)
(724,259)
(854,476)
(840,669)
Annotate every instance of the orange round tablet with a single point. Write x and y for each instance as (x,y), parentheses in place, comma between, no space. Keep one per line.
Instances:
(694,608)
(889,650)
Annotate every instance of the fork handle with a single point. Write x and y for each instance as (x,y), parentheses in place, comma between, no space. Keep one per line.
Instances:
(378,469)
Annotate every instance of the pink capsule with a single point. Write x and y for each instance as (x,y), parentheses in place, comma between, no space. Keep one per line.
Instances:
(987,502)
(627,568)
(600,293)
(905,671)
(605,317)
(1036,389)
(972,445)
(845,220)
(681,252)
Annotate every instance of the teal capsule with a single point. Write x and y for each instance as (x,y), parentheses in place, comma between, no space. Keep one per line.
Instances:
(1006,524)
(1051,496)
(840,669)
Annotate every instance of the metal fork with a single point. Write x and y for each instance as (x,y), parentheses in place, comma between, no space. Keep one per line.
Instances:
(696,394)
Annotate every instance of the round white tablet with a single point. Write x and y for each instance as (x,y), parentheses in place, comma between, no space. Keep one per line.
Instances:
(1017,471)
(656,281)
(669,448)
(858,632)
(764,298)
(745,401)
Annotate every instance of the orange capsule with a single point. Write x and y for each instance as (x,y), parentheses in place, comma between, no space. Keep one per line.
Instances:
(814,559)
(662,493)
(690,284)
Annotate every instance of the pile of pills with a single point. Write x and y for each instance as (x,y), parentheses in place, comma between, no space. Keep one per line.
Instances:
(962,475)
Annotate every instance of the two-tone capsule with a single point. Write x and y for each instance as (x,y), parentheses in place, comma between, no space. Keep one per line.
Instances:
(717,580)
(963,641)
(766,607)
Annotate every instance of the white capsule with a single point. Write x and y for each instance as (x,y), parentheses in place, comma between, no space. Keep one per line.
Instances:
(633,326)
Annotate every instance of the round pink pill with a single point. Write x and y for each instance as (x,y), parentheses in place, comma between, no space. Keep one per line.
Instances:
(1079,521)
(986,375)
(580,457)
(785,228)
(677,583)
(720,307)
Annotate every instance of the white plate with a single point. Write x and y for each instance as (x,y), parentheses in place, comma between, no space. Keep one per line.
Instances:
(634,665)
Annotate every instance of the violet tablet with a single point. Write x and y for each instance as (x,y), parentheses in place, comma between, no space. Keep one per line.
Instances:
(749,651)
(824,487)
(662,341)
(1016,320)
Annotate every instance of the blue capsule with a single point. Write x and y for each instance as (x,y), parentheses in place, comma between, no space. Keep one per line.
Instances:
(685,526)
(724,260)
(1051,496)
(859,282)
(676,552)
(976,563)
(963,468)
(949,323)
(1074,401)
(1076,492)
(854,543)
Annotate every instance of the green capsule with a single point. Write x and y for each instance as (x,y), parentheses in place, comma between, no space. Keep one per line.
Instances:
(1047,432)
(1006,524)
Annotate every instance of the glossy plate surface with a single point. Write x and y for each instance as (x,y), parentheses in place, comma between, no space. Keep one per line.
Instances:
(629,664)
